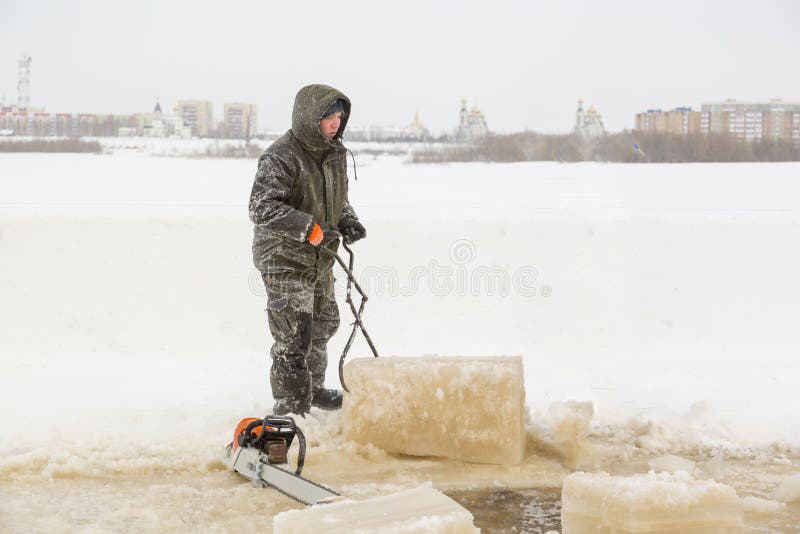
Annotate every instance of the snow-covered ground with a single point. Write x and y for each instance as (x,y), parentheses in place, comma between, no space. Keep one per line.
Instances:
(133,334)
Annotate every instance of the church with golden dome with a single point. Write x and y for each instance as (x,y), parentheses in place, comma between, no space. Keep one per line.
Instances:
(472,124)
(588,123)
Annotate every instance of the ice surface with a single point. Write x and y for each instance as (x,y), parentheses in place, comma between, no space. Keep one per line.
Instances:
(671,464)
(653,502)
(464,408)
(788,490)
(418,510)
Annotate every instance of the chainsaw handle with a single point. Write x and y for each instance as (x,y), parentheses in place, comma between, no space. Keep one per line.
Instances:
(301,453)
(277,423)
(243,439)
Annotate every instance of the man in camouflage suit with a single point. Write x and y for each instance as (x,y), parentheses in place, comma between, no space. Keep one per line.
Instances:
(298,205)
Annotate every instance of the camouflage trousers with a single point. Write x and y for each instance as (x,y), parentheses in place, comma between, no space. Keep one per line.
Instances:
(303,316)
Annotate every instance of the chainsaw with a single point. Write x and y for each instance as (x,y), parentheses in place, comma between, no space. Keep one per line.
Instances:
(260,452)
(260,447)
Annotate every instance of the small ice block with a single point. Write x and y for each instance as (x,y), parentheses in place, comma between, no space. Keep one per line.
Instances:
(598,502)
(418,510)
(788,490)
(464,408)
(758,506)
(671,464)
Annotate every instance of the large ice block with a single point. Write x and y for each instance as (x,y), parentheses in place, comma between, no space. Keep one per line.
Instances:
(419,510)
(598,502)
(466,408)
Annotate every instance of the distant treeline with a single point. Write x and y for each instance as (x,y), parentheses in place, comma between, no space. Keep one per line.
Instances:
(50,145)
(227,150)
(254,150)
(619,147)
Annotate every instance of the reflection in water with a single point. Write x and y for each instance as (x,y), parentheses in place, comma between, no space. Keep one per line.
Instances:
(531,510)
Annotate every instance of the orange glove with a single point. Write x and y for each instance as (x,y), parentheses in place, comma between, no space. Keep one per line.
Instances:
(316,235)
(322,234)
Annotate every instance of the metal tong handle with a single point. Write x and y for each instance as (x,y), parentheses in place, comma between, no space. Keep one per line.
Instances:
(351,281)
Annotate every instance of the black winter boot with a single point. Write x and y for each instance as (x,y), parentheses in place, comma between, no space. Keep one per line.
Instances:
(327,399)
(291,405)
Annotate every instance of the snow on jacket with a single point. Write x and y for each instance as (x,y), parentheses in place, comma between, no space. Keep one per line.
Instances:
(301,180)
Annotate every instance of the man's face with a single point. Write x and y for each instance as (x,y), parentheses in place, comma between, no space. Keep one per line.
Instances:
(330,125)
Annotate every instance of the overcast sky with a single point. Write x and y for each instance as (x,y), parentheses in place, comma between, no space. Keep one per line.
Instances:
(524,64)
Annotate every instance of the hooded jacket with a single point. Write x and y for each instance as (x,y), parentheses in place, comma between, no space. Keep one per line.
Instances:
(301,180)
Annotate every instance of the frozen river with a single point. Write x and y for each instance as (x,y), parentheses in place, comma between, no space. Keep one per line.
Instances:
(134,335)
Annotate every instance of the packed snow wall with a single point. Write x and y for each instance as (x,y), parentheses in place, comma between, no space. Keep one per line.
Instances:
(638,317)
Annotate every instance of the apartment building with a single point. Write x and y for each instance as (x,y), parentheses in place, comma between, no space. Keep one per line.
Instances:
(198,115)
(752,121)
(678,121)
(240,120)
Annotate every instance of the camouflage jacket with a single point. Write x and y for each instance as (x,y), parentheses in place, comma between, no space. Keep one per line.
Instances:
(301,180)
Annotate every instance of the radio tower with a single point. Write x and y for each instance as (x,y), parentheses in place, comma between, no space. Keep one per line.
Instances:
(24,82)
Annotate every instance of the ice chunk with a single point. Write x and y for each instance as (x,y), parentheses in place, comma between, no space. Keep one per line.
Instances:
(569,426)
(571,419)
(671,464)
(421,509)
(648,503)
(716,467)
(466,408)
(788,490)
(756,505)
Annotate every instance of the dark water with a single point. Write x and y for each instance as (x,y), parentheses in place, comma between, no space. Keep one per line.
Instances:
(531,510)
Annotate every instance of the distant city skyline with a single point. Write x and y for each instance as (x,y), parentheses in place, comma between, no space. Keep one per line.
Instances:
(524,64)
